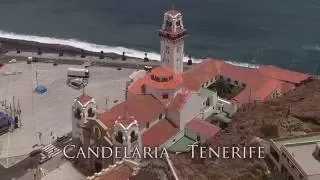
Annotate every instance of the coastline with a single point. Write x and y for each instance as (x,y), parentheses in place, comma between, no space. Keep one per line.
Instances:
(71,55)
(32,46)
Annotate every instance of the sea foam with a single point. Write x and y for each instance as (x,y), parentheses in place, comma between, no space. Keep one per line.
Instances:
(84,45)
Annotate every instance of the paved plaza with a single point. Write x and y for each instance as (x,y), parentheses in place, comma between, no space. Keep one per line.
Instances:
(50,113)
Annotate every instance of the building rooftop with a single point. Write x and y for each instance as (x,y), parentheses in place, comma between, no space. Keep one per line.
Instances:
(314,137)
(178,102)
(204,92)
(199,74)
(159,133)
(84,98)
(182,145)
(302,154)
(162,71)
(203,127)
(283,74)
(301,149)
(142,107)
(155,79)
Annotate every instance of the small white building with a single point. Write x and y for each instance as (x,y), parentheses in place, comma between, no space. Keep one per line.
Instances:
(296,158)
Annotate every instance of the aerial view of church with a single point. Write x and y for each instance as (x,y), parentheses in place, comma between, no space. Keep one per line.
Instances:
(173,106)
(93,97)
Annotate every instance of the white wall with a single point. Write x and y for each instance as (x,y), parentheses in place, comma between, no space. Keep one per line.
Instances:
(228,107)
(191,109)
(174,117)
(209,82)
(158,93)
(173,56)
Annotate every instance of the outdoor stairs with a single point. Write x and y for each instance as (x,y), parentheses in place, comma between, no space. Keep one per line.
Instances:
(49,151)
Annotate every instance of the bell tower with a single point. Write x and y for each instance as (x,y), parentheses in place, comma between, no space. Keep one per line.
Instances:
(84,108)
(127,139)
(172,43)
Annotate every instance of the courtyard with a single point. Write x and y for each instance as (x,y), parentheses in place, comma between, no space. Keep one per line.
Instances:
(224,89)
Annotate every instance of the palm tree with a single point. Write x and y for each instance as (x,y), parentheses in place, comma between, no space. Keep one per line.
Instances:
(222,88)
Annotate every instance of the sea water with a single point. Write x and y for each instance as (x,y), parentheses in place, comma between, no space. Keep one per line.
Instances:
(278,32)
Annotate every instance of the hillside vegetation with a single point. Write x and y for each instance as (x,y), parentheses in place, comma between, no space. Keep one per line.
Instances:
(295,113)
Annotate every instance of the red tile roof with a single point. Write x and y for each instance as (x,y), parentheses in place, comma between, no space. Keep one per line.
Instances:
(199,74)
(143,108)
(267,89)
(174,83)
(161,71)
(283,74)
(121,172)
(249,76)
(83,99)
(202,127)
(137,86)
(258,86)
(159,133)
(243,96)
(178,102)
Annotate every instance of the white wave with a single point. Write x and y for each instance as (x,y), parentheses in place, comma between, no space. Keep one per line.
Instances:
(84,45)
(314,47)
(247,65)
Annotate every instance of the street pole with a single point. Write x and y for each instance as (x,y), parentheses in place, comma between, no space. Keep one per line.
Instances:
(19,113)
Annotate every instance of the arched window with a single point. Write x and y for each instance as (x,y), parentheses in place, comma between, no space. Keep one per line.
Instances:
(119,137)
(133,136)
(178,23)
(198,137)
(77,114)
(97,132)
(168,23)
(90,112)
(147,125)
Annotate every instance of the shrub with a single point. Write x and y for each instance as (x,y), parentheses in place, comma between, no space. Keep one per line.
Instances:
(269,130)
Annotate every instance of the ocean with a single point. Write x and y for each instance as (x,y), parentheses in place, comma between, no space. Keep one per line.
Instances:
(285,33)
